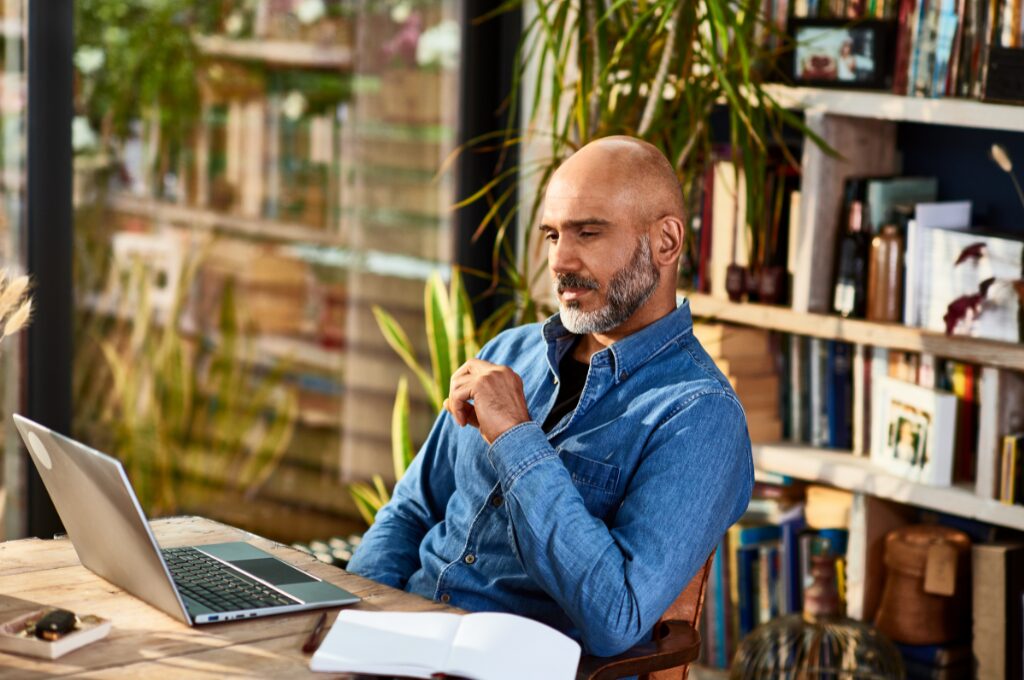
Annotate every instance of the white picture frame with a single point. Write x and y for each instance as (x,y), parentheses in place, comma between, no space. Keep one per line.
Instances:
(914,436)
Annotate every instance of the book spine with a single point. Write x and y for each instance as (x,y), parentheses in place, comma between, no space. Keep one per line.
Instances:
(904,37)
(746,559)
(838,395)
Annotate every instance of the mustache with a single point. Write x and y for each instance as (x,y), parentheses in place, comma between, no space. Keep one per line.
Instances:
(564,281)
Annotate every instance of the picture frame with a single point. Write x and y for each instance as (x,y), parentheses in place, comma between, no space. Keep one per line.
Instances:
(841,53)
(914,435)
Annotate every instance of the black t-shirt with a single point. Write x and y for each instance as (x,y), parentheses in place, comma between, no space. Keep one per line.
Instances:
(571,379)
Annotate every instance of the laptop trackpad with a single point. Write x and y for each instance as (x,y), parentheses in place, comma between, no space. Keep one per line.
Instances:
(272,571)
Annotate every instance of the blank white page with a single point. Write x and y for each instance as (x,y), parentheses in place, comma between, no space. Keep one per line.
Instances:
(387,643)
(507,647)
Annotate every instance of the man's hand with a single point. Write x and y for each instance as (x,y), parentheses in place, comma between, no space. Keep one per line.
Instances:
(497,395)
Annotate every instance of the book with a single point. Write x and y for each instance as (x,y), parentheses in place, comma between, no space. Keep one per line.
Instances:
(838,395)
(1011,469)
(861,399)
(484,646)
(1001,411)
(728,189)
(943,278)
(799,389)
(791,524)
(723,341)
(885,193)
(997,575)
(923,268)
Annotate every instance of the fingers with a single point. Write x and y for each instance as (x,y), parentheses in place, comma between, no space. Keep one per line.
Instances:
(458,405)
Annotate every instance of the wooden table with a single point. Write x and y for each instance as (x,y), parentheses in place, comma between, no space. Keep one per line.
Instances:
(145,642)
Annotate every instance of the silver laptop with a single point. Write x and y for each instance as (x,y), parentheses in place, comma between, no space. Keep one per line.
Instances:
(198,584)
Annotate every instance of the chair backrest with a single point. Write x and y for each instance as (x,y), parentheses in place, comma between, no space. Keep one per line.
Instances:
(687,607)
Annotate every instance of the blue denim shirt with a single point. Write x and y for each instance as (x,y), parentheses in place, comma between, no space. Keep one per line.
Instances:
(595,527)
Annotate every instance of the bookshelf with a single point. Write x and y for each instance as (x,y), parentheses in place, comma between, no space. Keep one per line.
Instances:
(886,106)
(857,331)
(866,128)
(283,53)
(207,219)
(843,470)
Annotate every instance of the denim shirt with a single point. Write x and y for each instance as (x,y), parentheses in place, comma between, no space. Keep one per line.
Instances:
(595,527)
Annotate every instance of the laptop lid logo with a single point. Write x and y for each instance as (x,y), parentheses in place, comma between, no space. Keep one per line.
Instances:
(35,445)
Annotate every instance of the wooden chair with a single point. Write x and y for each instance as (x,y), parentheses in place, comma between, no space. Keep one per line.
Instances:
(675,645)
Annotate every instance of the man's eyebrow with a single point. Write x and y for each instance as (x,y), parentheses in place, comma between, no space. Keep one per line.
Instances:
(577,224)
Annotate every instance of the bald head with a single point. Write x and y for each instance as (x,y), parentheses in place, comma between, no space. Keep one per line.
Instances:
(630,171)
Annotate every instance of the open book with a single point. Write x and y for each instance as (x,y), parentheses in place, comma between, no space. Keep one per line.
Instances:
(419,645)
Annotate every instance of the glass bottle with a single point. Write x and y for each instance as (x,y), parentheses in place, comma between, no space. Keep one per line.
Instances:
(885,276)
(850,294)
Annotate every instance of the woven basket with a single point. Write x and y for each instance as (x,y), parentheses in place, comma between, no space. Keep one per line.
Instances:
(908,613)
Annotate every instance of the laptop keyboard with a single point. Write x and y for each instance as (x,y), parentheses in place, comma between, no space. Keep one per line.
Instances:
(212,584)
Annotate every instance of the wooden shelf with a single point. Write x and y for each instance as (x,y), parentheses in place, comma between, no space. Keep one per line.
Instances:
(307,243)
(886,106)
(854,473)
(277,52)
(893,336)
(211,220)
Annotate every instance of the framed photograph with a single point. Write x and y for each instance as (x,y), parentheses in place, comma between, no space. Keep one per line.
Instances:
(915,433)
(841,53)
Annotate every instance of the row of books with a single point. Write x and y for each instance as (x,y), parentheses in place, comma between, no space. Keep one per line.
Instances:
(986,35)
(845,9)
(760,571)
(846,397)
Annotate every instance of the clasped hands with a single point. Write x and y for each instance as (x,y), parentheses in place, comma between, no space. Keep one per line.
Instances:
(496,393)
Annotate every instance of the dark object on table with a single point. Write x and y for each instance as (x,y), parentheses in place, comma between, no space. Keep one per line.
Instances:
(313,641)
(55,624)
(926,600)
(819,643)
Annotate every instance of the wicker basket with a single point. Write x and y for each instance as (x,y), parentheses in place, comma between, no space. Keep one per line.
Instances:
(908,613)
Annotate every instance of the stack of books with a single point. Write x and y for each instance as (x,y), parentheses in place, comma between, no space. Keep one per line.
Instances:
(746,357)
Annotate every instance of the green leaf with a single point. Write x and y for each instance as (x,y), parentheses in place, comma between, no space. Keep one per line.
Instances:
(438,315)
(399,341)
(401,441)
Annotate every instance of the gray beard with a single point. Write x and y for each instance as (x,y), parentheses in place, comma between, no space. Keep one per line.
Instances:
(628,290)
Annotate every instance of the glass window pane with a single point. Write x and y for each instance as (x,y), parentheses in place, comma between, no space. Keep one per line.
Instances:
(252,177)
(13,32)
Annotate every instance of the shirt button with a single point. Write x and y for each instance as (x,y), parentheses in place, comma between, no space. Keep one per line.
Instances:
(470,559)
(446,598)
(623,375)
(497,500)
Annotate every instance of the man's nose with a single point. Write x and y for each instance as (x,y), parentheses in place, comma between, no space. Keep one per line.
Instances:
(562,257)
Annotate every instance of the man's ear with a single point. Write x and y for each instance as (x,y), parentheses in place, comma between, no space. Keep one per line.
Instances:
(668,241)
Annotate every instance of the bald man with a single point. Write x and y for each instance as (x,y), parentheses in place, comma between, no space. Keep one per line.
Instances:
(583,468)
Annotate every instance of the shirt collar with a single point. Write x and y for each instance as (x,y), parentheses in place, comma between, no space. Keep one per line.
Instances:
(628,354)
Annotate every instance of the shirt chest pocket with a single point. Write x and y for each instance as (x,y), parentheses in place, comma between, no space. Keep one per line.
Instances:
(597,482)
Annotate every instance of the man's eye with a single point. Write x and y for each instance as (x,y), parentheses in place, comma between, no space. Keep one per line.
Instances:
(587,234)
(550,236)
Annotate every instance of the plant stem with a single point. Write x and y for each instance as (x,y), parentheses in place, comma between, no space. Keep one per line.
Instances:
(595,70)
(654,96)
(1016,185)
